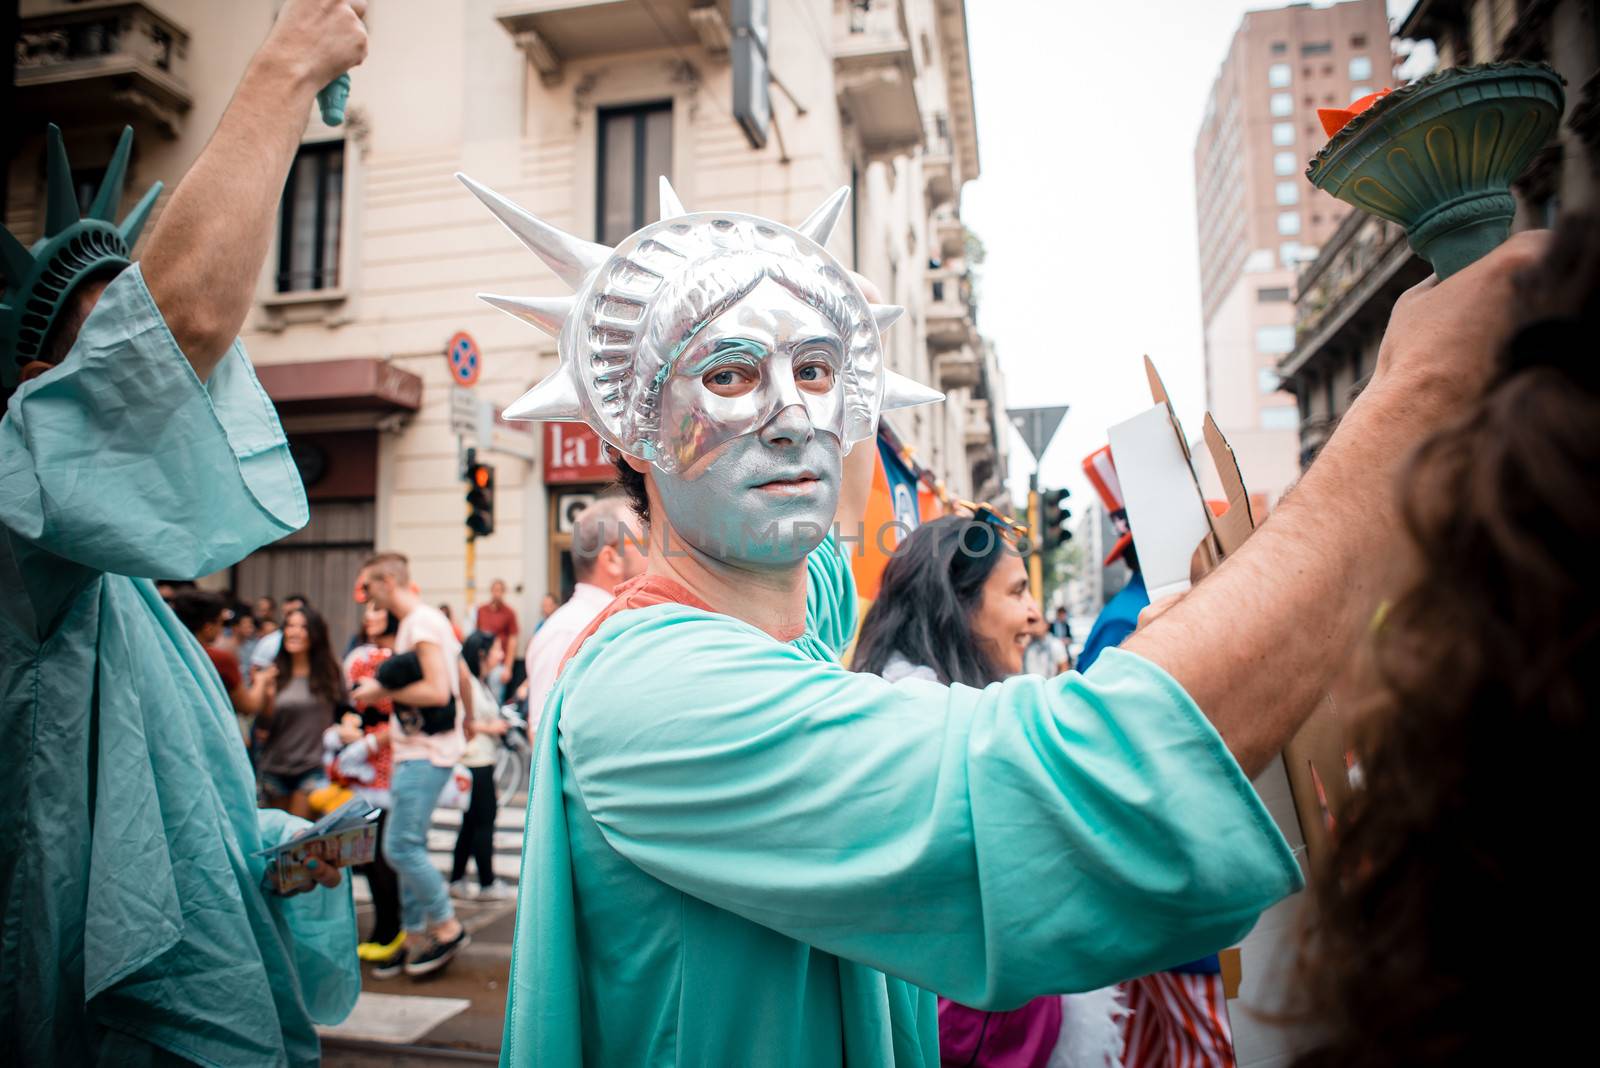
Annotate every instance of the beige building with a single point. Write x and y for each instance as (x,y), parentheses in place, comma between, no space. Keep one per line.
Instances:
(571,108)
(1345,295)
(1258,217)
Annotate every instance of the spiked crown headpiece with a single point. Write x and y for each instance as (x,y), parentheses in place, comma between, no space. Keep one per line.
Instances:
(635,306)
(39,280)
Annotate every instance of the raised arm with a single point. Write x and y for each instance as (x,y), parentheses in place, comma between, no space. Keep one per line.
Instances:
(202,262)
(1260,640)
(1038,836)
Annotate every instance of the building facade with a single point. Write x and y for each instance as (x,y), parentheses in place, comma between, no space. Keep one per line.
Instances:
(571,109)
(1259,219)
(1345,295)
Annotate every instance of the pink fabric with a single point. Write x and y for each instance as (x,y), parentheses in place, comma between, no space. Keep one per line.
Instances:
(1021,1038)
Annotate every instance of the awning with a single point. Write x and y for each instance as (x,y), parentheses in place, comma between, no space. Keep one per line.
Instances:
(365,384)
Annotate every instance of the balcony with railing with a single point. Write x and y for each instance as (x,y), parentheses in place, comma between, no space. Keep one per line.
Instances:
(875,74)
(939,159)
(949,233)
(978,433)
(949,309)
(552,33)
(957,369)
(100,60)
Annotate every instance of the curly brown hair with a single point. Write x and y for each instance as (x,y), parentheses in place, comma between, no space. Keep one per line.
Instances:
(1453,879)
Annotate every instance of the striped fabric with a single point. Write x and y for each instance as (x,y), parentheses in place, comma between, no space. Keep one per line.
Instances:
(1177,1021)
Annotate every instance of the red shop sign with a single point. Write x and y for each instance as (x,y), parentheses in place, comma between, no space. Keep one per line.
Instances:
(572,453)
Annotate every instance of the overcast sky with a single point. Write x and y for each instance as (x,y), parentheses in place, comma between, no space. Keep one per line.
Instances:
(1087,117)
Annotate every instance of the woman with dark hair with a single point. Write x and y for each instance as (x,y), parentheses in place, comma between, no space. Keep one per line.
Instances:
(366,762)
(303,694)
(481,653)
(955,606)
(1455,873)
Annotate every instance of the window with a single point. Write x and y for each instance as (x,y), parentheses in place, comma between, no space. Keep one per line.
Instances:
(1280,47)
(1282,104)
(1316,48)
(1288,222)
(1280,417)
(635,150)
(1275,340)
(1358,41)
(308,219)
(1283,133)
(1288,193)
(1360,68)
(1278,75)
(1272,294)
(1267,380)
(1289,253)
(1360,91)
(1284,163)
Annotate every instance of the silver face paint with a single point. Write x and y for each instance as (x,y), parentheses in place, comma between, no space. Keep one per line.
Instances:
(763,499)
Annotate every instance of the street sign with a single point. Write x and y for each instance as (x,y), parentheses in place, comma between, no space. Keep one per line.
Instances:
(463,411)
(1037,426)
(466,362)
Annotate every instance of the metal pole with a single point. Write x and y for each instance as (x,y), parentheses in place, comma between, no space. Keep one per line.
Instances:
(1036,539)
(472,571)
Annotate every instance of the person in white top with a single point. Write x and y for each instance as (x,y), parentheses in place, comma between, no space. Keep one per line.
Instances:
(608,549)
(422,764)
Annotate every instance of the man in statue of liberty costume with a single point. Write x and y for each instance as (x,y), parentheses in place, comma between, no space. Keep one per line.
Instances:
(137,444)
(738,852)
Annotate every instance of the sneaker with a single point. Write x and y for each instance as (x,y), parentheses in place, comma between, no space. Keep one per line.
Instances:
(462,890)
(379,952)
(437,954)
(496,891)
(391,968)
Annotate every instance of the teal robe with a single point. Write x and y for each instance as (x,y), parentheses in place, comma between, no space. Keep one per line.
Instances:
(739,852)
(135,927)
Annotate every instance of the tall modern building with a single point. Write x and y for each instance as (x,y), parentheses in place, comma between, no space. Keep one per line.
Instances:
(1258,217)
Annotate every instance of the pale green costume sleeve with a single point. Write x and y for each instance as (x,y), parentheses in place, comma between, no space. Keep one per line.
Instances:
(122,461)
(318,927)
(129,827)
(1038,836)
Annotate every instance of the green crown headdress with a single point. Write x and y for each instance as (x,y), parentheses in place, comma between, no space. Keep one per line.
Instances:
(39,280)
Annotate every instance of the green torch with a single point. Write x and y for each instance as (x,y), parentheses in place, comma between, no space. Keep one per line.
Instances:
(1438,156)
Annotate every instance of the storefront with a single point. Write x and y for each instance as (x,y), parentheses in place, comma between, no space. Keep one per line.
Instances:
(575,472)
(333,412)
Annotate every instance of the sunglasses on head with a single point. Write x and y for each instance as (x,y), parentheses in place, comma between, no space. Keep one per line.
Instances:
(1010,531)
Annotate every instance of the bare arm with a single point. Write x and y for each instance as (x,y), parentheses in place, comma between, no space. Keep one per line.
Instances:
(855,487)
(468,697)
(1260,640)
(205,255)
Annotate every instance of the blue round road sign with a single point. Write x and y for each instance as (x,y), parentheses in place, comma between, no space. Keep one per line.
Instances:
(466,362)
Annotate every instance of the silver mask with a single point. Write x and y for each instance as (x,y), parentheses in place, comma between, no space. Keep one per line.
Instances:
(702,328)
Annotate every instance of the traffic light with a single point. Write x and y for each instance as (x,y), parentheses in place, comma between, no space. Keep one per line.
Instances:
(1054,516)
(480,499)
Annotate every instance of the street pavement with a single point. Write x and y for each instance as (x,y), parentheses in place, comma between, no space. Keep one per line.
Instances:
(455,1017)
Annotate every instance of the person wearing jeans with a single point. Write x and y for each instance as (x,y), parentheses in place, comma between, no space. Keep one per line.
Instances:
(424,901)
(424,751)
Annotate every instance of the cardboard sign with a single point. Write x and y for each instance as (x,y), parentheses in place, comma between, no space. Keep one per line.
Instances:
(1168,511)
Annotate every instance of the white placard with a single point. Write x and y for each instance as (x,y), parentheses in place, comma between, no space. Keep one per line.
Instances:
(1165,510)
